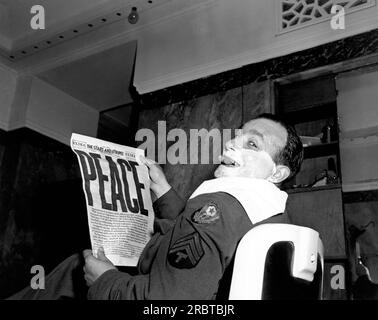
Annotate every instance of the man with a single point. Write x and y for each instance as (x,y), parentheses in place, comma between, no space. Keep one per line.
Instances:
(193,247)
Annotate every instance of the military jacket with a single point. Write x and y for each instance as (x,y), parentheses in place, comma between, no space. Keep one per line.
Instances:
(188,255)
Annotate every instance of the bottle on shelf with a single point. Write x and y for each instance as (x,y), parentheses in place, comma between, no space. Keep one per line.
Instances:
(326,138)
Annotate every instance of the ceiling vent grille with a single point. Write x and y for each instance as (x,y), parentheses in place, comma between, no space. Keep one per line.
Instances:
(295,14)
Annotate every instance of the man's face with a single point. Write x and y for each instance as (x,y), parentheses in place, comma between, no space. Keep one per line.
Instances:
(251,153)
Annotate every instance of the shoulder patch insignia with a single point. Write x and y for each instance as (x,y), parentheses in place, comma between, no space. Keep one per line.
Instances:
(208,214)
(186,252)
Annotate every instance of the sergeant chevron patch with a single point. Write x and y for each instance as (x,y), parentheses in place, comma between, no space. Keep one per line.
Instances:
(186,252)
(208,214)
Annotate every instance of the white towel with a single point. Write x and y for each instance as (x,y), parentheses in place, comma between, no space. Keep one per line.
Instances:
(260,198)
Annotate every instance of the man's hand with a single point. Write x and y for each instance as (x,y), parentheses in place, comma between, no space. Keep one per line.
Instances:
(95,267)
(159,184)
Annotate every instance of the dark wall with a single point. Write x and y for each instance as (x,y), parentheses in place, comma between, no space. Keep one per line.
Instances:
(222,110)
(42,206)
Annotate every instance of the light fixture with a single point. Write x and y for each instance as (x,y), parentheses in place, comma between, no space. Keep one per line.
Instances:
(133,16)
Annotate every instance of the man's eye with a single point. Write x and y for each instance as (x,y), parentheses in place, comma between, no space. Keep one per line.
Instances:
(252,144)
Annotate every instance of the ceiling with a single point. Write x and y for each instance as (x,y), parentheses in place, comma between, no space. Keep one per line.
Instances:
(16,31)
(18,15)
(99,79)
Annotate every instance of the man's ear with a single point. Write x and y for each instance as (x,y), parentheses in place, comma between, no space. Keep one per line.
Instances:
(281,173)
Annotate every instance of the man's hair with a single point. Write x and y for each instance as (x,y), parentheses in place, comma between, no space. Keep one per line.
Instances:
(292,154)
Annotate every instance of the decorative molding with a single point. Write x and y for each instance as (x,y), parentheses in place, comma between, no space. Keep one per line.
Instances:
(360,186)
(16,125)
(297,14)
(49,132)
(4,125)
(6,44)
(9,126)
(359,142)
(243,59)
(360,133)
(336,54)
(8,69)
(33,125)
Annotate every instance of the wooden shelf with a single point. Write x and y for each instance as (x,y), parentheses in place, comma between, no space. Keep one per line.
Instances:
(360,133)
(321,150)
(311,113)
(312,189)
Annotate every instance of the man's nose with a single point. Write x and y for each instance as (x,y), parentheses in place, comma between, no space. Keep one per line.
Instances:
(230,145)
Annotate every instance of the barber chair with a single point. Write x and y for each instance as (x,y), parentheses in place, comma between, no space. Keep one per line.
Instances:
(278,262)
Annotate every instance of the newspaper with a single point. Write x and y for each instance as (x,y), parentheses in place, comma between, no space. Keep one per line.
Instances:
(117,190)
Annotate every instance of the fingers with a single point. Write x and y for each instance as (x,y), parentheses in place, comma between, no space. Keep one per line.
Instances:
(146,161)
(87,280)
(143,160)
(86,277)
(87,253)
(101,255)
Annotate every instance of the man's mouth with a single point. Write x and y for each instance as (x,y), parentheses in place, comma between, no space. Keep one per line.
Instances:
(229,162)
